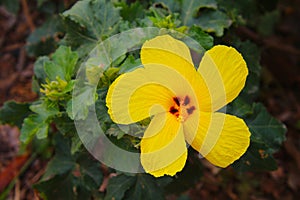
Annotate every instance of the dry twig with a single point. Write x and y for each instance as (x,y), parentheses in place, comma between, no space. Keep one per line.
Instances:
(27,15)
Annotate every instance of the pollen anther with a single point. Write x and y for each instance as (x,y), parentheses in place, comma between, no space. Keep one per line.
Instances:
(182,108)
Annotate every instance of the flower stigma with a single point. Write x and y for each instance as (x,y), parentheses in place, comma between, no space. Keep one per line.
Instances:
(182,108)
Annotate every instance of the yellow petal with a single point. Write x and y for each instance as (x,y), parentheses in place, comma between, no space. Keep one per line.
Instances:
(166,44)
(220,138)
(163,148)
(224,71)
(166,51)
(147,91)
(133,97)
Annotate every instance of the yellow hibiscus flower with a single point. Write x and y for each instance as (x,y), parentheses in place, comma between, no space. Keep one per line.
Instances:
(183,103)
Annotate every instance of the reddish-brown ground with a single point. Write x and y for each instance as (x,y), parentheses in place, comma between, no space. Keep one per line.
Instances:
(280,93)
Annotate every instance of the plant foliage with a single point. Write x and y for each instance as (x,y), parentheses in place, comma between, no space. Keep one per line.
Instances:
(63,43)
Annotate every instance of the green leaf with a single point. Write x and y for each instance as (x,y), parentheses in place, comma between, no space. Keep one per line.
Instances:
(62,162)
(77,37)
(239,108)
(81,169)
(62,64)
(42,147)
(83,98)
(32,125)
(130,64)
(38,124)
(173,5)
(12,6)
(249,9)
(42,131)
(83,193)
(213,21)
(190,175)
(114,130)
(146,188)
(59,187)
(118,185)
(265,128)
(39,71)
(132,11)
(76,144)
(140,186)
(204,39)
(93,70)
(91,174)
(257,158)
(44,110)
(101,111)
(127,143)
(43,40)
(251,54)
(267,135)
(204,14)
(109,76)
(89,21)
(190,9)
(64,124)
(14,113)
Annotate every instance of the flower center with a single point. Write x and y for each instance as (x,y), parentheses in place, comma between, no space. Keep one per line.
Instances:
(182,108)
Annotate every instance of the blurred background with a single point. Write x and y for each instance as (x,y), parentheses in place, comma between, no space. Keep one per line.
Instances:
(280,93)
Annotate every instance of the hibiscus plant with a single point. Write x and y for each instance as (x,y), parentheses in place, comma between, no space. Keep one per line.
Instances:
(130,86)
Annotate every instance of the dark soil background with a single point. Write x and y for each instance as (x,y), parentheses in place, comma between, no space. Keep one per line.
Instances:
(280,92)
